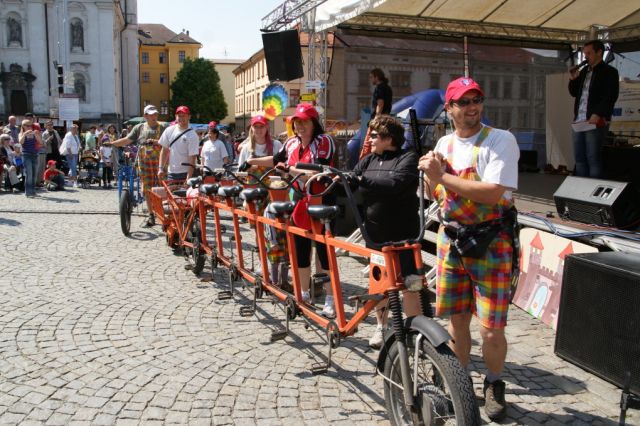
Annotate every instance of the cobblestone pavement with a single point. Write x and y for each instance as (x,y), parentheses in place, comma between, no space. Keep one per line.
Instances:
(97,328)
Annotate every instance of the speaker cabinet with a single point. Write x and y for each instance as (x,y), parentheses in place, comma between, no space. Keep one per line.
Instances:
(597,201)
(599,316)
(283,55)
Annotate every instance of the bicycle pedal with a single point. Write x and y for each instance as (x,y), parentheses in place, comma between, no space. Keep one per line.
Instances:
(246,311)
(278,334)
(319,368)
(225,295)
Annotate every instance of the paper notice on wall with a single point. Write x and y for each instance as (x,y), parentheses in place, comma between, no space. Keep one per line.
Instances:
(69,108)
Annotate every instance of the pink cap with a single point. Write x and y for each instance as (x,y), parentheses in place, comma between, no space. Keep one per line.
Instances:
(458,87)
(183,110)
(259,119)
(212,124)
(305,112)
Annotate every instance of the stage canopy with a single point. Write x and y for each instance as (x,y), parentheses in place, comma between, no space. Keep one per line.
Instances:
(548,24)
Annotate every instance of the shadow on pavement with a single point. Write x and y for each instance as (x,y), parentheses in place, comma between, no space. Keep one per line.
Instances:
(9,222)
(59,200)
(143,235)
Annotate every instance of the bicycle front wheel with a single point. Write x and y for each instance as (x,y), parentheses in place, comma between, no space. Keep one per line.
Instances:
(125,209)
(445,394)
(195,255)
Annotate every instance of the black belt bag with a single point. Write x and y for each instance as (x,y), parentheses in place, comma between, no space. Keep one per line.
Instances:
(474,240)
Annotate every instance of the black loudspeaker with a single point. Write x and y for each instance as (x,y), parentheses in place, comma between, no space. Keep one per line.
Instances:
(599,316)
(283,55)
(597,201)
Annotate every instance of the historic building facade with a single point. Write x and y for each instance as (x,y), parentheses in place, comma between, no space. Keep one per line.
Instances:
(95,43)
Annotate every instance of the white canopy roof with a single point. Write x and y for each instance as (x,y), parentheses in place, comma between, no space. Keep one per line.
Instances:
(553,23)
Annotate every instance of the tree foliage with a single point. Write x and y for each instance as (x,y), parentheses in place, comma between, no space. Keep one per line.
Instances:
(197,85)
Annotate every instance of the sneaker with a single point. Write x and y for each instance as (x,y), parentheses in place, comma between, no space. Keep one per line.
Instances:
(75,184)
(495,406)
(306,297)
(328,311)
(149,222)
(377,339)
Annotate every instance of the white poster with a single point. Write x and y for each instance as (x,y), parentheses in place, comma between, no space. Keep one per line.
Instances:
(69,108)
(627,107)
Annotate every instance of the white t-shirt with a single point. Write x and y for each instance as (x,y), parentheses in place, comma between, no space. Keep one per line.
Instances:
(186,146)
(105,152)
(213,154)
(260,151)
(497,159)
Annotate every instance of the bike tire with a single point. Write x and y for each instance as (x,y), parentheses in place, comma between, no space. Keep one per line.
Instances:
(197,257)
(446,387)
(125,208)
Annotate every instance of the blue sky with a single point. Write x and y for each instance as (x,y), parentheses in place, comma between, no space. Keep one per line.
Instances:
(226,28)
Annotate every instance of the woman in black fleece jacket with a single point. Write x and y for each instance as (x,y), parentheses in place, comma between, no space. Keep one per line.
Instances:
(388,181)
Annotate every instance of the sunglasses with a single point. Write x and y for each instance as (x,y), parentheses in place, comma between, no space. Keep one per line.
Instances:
(466,101)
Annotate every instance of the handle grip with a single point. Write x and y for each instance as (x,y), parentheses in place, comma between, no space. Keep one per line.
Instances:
(309,166)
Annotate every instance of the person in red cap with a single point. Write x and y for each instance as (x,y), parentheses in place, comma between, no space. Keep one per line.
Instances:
(179,145)
(472,174)
(309,145)
(146,136)
(53,178)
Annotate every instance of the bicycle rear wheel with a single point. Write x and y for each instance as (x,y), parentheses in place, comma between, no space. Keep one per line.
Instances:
(445,394)
(194,255)
(125,208)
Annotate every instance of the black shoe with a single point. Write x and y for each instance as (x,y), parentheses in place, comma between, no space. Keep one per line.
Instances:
(151,220)
(495,406)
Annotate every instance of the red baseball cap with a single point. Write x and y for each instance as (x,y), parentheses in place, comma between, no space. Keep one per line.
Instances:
(50,162)
(458,87)
(183,110)
(212,124)
(305,112)
(259,119)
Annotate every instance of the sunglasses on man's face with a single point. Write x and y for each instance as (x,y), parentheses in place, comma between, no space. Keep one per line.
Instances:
(468,101)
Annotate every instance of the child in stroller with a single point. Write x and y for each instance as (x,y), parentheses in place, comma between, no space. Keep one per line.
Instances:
(89,169)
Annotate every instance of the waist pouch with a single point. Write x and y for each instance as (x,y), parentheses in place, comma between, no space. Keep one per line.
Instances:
(474,240)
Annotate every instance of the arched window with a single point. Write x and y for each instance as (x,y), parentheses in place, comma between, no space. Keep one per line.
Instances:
(77,35)
(14,31)
(80,86)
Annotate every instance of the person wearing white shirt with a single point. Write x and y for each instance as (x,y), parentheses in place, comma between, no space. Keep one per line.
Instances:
(180,145)
(70,148)
(214,153)
(259,143)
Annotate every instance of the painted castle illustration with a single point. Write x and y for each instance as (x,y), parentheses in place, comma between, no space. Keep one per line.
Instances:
(539,287)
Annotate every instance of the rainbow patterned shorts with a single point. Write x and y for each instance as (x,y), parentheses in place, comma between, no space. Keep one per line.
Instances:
(479,286)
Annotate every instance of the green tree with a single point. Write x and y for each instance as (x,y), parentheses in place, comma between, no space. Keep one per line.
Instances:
(197,85)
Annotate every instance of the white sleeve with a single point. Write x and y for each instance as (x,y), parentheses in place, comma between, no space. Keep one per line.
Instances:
(244,155)
(502,163)
(223,150)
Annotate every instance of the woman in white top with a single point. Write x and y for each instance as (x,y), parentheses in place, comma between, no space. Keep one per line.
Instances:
(214,154)
(258,144)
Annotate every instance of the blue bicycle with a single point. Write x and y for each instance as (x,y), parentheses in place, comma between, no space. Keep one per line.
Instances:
(129,194)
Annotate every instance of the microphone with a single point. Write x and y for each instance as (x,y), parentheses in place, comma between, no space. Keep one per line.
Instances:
(578,67)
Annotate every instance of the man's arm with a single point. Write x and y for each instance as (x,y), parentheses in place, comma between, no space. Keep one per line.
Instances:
(122,142)
(192,161)
(379,106)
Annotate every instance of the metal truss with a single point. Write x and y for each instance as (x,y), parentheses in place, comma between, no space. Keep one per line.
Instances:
(621,34)
(448,27)
(288,13)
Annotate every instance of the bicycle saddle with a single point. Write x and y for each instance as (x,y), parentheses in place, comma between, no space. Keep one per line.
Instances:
(229,191)
(209,188)
(179,193)
(254,194)
(323,212)
(194,181)
(281,207)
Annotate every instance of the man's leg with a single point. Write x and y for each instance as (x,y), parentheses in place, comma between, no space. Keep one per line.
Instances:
(494,349)
(460,343)
(594,141)
(580,154)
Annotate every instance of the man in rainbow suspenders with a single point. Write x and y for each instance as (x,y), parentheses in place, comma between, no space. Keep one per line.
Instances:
(471,174)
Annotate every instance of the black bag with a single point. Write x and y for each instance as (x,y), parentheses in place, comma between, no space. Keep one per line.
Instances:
(474,240)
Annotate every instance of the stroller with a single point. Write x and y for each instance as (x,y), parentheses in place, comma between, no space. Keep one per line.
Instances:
(89,169)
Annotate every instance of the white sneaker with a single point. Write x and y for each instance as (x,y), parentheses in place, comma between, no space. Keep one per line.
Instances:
(329,311)
(306,297)
(377,339)
(75,184)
